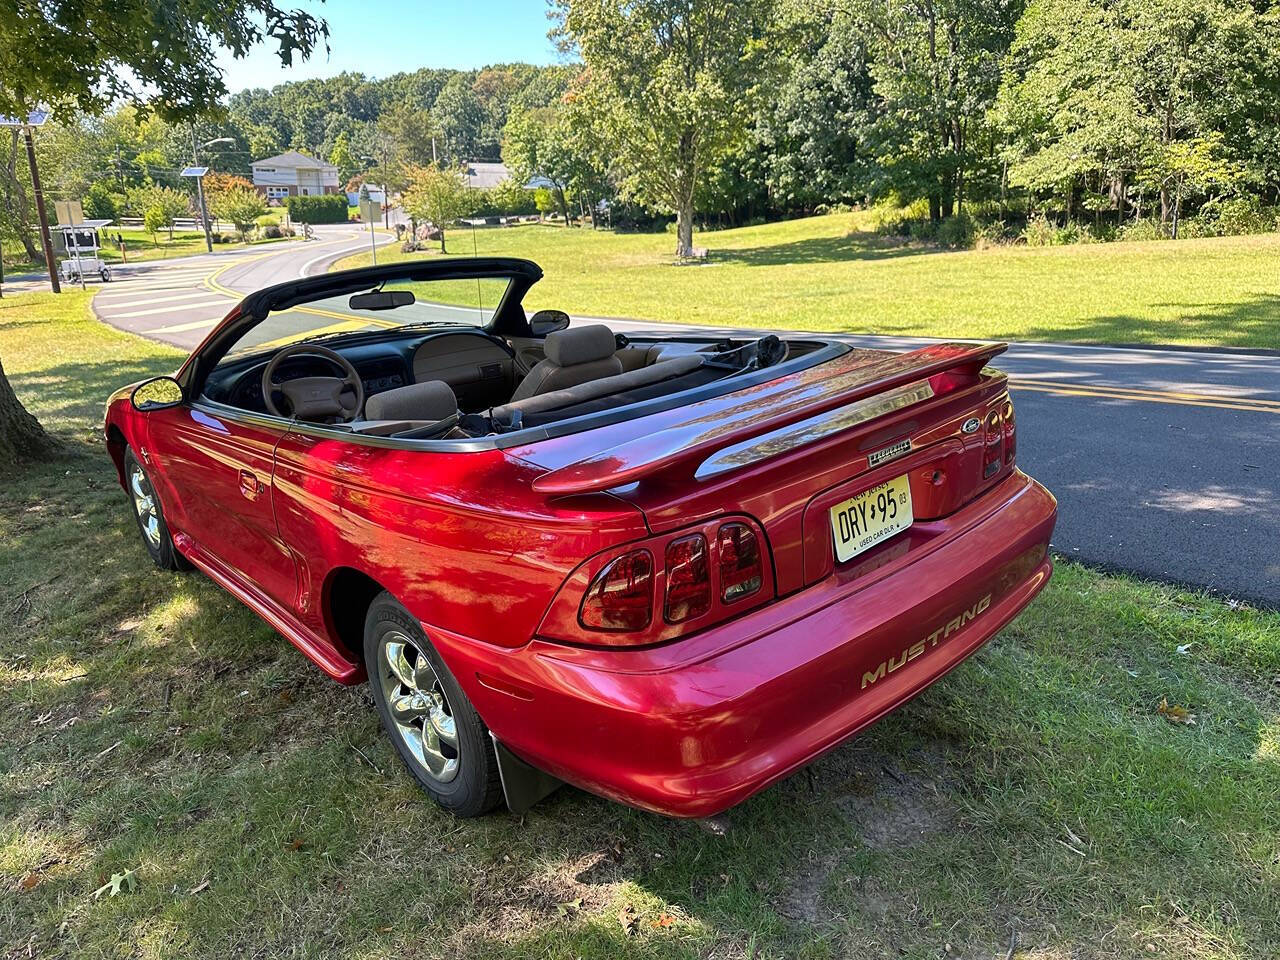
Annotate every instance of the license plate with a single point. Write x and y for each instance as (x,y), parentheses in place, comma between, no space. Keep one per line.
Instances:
(859,523)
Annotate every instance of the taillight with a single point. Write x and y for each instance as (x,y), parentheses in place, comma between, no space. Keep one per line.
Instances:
(1010,435)
(993,458)
(688,579)
(738,556)
(621,595)
(666,586)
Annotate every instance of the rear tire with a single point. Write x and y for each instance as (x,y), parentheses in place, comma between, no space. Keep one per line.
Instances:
(431,723)
(149,515)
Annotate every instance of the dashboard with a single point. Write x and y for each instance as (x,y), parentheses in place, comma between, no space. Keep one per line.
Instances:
(479,367)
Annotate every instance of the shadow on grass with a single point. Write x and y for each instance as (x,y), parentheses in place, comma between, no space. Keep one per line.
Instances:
(79,391)
(859,245)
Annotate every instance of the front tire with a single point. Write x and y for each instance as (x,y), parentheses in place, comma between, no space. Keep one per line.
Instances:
(150,516)
(431,723)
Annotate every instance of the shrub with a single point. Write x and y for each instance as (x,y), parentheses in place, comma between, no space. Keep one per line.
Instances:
(1240,215)
(955,231)
(272,231)
(1142,230)
(101,204)
(330,208)
(1039,232)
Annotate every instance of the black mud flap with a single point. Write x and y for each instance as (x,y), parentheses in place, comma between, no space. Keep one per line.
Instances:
(523,784)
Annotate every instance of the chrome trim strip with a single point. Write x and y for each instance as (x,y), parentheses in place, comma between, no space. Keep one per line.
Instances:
(785,439)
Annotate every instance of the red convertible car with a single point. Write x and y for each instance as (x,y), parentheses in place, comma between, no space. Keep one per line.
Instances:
(670,570)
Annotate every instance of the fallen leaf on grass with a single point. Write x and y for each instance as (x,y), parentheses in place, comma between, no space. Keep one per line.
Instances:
(665,920)
(119,883)
(30,880)
(1176,714)
(296,844)
(627,917)
(569,906)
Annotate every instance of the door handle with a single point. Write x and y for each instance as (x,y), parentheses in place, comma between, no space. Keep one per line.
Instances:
(250,485)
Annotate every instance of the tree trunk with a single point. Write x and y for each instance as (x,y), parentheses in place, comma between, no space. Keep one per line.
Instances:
(442,249)
(21,436)
(563,204)
(684,229)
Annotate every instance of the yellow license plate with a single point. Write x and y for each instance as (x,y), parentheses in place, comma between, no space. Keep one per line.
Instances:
(861,522)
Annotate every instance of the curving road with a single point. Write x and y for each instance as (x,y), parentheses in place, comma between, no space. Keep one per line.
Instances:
(1166,462)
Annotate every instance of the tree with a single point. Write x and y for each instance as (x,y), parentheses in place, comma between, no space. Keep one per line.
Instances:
(153,220)
(668,84)
(342,157)
(94,53)
(437,195)
(935,65)
(536,144)
(459,117)
(242,206)
(166,203)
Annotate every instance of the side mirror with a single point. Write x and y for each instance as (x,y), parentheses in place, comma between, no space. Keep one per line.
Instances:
(158,393)
(548,321)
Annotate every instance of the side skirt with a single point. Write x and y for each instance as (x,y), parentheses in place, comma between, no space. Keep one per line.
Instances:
(523,784)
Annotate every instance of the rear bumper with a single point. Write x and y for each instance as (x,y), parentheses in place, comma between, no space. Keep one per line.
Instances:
(693,727)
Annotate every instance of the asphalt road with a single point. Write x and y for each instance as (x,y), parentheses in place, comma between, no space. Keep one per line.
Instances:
(1166,463)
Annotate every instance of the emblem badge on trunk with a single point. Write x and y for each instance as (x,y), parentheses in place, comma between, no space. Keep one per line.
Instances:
(889,452)
(971,425)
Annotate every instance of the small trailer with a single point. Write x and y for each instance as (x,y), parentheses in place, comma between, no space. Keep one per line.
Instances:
(80,240)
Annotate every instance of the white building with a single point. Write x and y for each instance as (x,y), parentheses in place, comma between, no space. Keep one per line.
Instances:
(294,174)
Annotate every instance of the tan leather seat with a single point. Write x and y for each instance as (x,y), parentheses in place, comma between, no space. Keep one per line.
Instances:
(573,357)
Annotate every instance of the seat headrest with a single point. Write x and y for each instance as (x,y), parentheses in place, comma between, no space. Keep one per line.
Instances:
(565,348)
(429,400)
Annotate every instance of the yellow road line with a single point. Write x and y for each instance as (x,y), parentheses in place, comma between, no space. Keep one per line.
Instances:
(1139,393)
(212,283)
(184,327)
(1113,395)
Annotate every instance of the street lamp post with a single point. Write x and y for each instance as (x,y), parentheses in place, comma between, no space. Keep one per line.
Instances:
(195,162)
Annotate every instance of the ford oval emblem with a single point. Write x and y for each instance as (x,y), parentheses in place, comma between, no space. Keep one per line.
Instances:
(971,425)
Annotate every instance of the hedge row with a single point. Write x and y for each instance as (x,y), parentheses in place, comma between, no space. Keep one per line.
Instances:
(330,208)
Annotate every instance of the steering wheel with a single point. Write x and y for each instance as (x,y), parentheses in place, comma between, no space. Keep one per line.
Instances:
(313,398)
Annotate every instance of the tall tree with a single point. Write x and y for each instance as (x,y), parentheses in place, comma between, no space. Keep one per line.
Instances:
(668,84)
(936,69)
(163,57)
(537,144)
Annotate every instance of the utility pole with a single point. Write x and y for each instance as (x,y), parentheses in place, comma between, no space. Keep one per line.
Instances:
(204,213)
(44,217)
(386,194)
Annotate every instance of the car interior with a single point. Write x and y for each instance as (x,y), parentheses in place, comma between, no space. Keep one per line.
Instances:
(460,381)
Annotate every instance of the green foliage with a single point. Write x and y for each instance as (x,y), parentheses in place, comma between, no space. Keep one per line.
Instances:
(510,197)
(101,204)
(328,208)
(94,53)
(161,205)
(666,90)
(153,220)
(242,206)
(438,195)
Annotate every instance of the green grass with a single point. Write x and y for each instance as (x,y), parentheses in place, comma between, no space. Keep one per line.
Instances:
(150,722)
(827,273)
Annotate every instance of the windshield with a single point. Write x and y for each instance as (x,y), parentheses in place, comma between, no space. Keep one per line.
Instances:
(387,306)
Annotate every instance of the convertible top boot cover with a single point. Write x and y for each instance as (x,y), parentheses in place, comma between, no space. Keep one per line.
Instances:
(573,356)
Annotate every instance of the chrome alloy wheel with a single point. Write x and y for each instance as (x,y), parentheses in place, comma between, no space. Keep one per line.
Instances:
(419,708)
(144,502)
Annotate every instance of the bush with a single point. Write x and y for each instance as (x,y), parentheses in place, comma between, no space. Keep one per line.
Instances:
(1039,232)
(1142,230)
(330,208)
(955,231)
(101,204)
(272,231)
(1240,215)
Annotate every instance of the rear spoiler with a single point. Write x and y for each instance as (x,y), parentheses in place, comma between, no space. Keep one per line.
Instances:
(709,425)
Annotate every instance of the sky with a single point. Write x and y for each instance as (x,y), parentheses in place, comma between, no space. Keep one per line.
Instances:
(382,37)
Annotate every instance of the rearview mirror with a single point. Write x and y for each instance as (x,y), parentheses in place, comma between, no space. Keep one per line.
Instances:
(381,300)
(158,393)
(548,321)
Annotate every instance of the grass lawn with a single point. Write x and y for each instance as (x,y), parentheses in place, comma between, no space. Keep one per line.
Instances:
(149,722)
(826,273)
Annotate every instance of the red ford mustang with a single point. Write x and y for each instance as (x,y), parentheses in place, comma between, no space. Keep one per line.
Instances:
(670,570)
